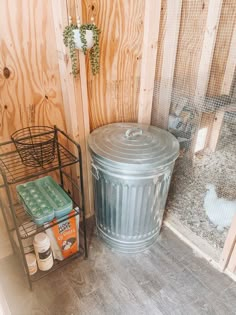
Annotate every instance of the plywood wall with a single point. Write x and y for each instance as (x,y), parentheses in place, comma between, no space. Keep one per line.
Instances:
(32,94)
(113,94)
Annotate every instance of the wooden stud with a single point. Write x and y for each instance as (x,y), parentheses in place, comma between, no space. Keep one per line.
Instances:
(168,62)
(213,18)
(207,121)
(67,86)
(148,65)
(77,120)
(214,133)
(229,245)
(83,79)
(212,23)
(230,66)
(84,119)
(232,262)
(230,108)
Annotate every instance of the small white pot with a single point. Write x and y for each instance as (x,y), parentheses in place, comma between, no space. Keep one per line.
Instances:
(88,37)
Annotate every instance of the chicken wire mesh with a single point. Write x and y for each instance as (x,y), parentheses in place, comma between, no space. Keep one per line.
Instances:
(202,194)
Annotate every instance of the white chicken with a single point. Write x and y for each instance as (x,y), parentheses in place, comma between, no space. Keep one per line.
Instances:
(220,211)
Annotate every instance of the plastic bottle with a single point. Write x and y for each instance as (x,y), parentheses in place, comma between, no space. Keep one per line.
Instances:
(31,263)
(43,251)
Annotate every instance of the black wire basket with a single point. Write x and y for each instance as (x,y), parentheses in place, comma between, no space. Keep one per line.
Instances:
(35,145)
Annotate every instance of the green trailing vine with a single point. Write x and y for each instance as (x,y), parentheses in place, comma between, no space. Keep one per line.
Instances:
(94,53)
(69,41)
(95,50)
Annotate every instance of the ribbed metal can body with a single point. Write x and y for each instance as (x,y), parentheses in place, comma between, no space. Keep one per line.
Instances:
(129,209)
(129,201)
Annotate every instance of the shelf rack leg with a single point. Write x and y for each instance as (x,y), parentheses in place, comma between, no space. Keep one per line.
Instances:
(83,209)
(17,230)
(81,185)
(59,157)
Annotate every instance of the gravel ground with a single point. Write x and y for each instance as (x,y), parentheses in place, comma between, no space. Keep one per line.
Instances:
(188,187)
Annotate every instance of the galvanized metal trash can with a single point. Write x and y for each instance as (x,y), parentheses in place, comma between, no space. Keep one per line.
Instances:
(132,166)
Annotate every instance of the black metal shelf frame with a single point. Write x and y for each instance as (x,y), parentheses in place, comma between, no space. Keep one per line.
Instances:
(13,171)
(57,264)
(23,217)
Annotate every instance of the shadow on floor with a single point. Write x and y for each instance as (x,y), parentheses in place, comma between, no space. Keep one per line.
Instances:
(165,279)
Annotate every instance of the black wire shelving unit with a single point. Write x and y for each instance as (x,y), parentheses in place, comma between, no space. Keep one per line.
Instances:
(67,167)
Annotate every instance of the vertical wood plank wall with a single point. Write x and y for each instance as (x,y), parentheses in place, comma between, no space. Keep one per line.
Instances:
(32,94)
(113,94)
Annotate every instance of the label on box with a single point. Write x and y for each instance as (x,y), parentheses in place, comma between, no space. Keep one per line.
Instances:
(66,236)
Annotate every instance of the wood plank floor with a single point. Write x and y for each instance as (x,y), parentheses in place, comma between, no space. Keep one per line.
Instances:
(166,279)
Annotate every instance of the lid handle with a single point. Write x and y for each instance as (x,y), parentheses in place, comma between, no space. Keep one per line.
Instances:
(133,133)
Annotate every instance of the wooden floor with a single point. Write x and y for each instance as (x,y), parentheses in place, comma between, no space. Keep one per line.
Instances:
(166,279)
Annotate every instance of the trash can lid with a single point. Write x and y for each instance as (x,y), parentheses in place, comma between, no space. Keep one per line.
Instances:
(133,145)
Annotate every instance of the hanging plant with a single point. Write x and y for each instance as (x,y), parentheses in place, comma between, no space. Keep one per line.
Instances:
(83,37)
